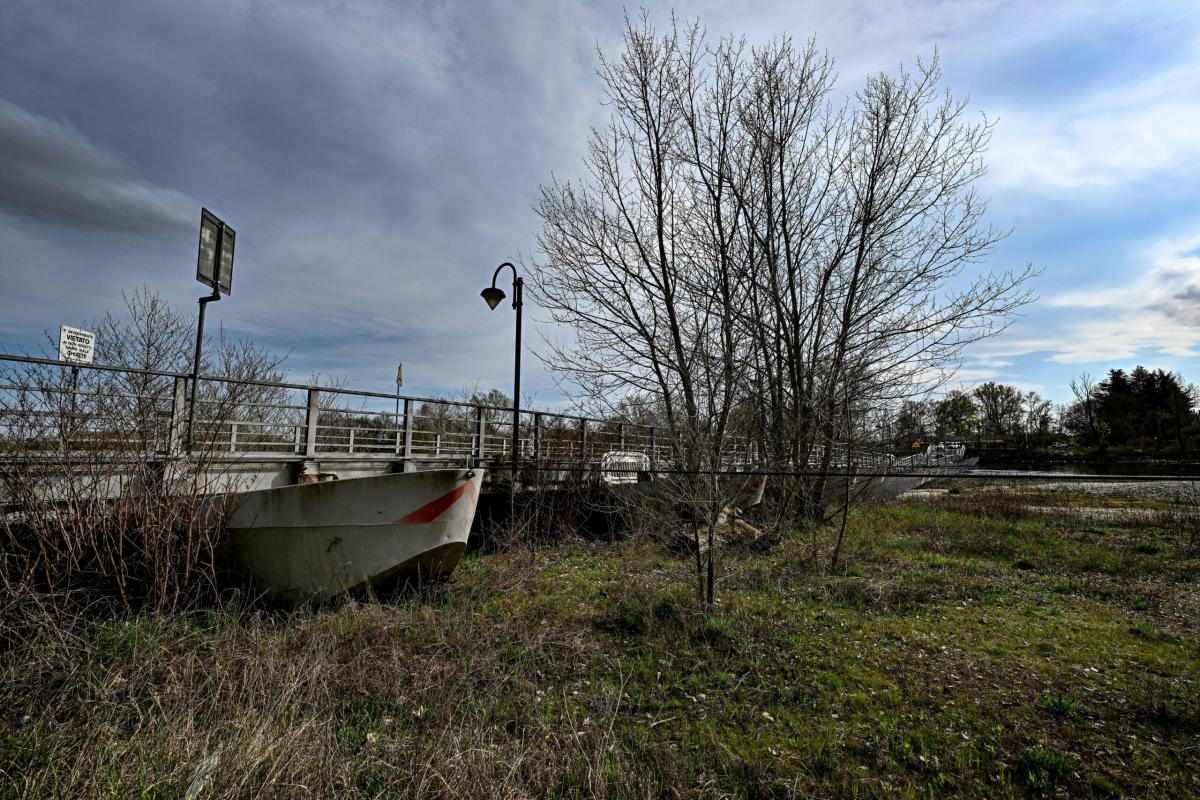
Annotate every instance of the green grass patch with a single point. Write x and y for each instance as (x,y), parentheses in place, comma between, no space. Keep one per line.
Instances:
(1041,770)
(1059,705)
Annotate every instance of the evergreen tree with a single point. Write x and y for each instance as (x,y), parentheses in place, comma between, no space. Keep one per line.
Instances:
(1148,406)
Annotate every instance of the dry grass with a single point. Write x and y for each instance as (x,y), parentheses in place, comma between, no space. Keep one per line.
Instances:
(586,670)
(367,700)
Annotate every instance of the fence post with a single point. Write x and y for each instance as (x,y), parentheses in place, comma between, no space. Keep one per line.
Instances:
(652,445)
(310,421)
(351,439)
(621,434)
(232,437)
(582,436)
(178,416)
(408,433)
(480,430)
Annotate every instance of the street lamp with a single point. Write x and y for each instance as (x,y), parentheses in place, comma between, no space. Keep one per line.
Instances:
(492,296)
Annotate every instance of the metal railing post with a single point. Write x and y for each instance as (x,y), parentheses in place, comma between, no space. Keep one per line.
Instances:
(175,432)
(621,434)
(537,436)
(232,437)
(310,422)
(480,430)
(652,447)
(582,436)
(408,432)
(351,440)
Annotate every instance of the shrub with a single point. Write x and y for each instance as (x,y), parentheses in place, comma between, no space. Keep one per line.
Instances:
(1059,705)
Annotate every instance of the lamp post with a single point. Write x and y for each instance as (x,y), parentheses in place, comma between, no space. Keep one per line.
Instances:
(492,296)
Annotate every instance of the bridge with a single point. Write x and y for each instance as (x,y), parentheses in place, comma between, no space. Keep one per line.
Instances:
(259,434)
(64,419)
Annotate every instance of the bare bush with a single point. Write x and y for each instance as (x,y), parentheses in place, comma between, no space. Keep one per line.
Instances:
(101,504)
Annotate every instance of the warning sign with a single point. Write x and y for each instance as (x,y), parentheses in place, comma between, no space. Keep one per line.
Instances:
(75,344)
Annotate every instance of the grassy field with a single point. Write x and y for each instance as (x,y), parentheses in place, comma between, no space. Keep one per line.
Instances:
(969,646)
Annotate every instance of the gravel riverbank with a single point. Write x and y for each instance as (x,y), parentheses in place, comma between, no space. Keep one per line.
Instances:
(1171,491)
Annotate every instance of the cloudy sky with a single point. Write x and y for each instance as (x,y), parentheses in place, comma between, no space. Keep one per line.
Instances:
(378,159)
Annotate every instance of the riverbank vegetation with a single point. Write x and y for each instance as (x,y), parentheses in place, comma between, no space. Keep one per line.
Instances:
(1140,415)
(976,643)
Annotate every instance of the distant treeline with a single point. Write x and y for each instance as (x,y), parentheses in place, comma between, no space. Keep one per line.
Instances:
(1143,408)
(1147,409)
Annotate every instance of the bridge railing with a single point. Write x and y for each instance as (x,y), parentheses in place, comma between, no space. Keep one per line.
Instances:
(49,406)
(55,407)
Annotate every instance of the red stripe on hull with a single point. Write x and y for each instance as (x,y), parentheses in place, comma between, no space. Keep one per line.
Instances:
(434,509)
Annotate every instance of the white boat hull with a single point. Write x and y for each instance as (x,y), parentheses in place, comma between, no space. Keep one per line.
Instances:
(313,541)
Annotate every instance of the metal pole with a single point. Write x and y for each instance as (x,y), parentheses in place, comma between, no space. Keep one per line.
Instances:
(312,416)
(492,296)
(204,301)
(74,391)
(537,437)
(518,287)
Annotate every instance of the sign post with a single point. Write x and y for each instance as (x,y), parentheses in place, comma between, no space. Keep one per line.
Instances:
(214,268)
(78,347)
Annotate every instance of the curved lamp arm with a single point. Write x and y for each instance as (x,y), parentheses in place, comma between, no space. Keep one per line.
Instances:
(518,284)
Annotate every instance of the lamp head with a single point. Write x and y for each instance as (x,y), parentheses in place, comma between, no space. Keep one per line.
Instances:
(492,296)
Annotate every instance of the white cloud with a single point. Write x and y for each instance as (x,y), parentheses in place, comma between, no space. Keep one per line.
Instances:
(1105,139)
(1154,312)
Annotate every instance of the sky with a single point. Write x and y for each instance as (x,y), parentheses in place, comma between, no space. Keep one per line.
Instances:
(379,159)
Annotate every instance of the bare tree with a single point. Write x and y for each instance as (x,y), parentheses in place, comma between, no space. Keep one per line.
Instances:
(1083,416)
(648,261)
(743,251)
(1036,416)
(895,224)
